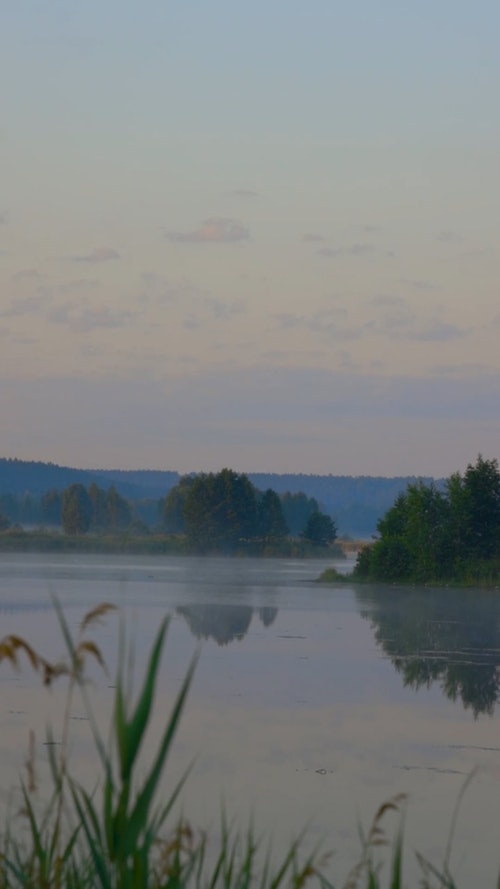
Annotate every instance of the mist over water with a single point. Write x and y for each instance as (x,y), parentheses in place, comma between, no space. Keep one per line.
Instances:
(310,705)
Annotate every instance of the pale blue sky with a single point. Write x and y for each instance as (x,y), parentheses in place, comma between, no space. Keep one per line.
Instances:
(263,236)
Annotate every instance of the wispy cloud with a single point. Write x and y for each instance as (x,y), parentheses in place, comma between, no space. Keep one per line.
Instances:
(98,254)
(351,250)
(393,318)
(400,321)
(326,323)
(27,305)
(85,318)
(417,284)
(449,237)
(216,230)
(164,291)
(437,331)
(30,274)
(224,311)
(312,238)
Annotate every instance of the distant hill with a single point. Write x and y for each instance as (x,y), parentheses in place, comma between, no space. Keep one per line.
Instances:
(355,502)
(22,476)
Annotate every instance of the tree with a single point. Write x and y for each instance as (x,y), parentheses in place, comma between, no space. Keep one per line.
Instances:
(320,529)
(481,489)
(76,510)
(172,508)
(98,499)
(51,505)
(430,534)
(119,514)
(271,522)
(220,510)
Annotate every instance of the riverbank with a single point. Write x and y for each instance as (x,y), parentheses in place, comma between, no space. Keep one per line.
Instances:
(44,541)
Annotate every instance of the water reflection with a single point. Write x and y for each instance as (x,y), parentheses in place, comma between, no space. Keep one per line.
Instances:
(447,636)
(223,623)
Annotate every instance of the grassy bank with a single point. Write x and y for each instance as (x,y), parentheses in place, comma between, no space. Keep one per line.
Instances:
(485,579)
(42,541)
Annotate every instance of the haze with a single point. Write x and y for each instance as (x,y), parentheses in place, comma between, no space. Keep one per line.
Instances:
(257,235)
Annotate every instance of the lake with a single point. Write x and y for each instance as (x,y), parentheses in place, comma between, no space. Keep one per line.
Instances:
(310,705)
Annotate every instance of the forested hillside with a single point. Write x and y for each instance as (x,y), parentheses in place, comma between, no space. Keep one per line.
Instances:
(355,502)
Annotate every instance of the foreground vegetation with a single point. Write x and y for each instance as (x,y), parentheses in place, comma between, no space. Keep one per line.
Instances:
(438,536)
(122,836)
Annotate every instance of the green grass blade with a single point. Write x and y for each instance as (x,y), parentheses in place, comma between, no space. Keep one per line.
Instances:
(139,721)
(95,848)
(397,863)
(139,815)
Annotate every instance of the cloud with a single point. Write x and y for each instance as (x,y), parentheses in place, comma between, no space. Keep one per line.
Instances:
(437,331)
(449,237)
(312,238)
(325,323)
(83,319)
(98,254)
(352,250)
(394,318)
(222,310)
(418,284)
(22,274)
(4,218)
(216,230)
(27,305)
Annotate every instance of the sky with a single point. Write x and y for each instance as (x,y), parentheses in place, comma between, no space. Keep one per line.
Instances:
(263,236)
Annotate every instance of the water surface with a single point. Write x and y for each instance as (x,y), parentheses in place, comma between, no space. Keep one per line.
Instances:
(310,705)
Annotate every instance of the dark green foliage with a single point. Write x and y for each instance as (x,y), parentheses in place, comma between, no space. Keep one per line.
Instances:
(4,523)
(320,529)
(271,523)
(98,499)
(431,535)
(119,514)
(28,509)
(76,510)
(219,511)
(172,507)
(51,507)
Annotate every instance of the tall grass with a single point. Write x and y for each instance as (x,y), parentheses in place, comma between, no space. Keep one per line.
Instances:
(120,836)
(123,836)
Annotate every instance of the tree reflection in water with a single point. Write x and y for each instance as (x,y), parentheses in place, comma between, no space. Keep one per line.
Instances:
(446,636)
(224,623)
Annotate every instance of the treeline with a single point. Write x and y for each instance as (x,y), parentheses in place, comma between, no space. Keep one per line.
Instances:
(108,509)
(218,512)
(430,534)
(357,502)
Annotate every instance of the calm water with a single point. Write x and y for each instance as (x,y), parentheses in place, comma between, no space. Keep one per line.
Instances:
(310,705)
